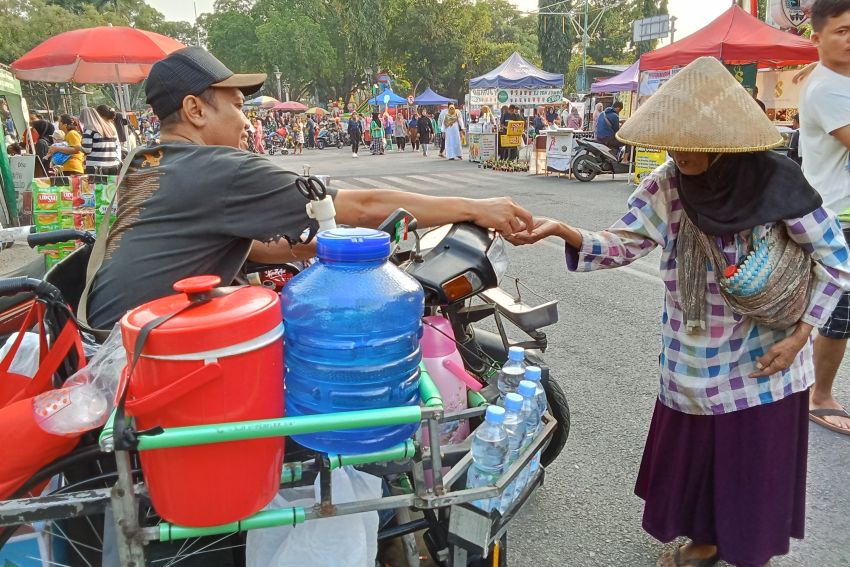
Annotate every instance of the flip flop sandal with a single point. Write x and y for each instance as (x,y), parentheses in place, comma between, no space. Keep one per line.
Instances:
(679,561)
(818,415)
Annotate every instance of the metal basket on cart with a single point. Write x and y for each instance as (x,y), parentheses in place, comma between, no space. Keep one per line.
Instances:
(471,532)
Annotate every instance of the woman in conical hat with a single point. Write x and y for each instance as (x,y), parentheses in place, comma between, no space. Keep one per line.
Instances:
(751,263)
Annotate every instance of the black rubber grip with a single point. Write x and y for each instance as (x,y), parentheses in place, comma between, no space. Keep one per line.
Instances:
(23,284)
(58,236)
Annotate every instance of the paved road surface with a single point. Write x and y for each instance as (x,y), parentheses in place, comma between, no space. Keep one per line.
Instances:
(604,353)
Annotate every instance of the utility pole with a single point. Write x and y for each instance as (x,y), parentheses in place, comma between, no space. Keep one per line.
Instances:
(585,38)
(672,29)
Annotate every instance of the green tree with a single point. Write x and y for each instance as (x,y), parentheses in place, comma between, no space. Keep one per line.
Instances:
(555,37)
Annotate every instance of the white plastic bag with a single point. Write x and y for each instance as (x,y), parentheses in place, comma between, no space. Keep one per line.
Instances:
(341,541)
(26,360)
(86,399)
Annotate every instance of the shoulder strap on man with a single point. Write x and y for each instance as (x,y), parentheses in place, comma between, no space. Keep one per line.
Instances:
(99,252)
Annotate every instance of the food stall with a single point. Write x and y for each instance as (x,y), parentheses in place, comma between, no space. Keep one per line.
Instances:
(744,44)
(623,86)
(517,82)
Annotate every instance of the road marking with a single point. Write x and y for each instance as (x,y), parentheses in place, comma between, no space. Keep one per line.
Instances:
(338,183)
(432,180)
(405,183)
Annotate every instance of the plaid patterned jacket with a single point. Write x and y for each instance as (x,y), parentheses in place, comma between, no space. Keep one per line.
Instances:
(707,372)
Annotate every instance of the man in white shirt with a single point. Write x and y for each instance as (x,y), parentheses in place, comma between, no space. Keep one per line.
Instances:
(825,145)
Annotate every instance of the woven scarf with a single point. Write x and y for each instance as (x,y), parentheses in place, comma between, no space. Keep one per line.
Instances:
(780,301)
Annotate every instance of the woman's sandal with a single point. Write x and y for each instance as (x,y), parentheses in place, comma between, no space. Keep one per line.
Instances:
(679,561)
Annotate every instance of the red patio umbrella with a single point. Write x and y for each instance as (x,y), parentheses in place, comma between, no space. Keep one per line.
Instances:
(100,55)
(290,106)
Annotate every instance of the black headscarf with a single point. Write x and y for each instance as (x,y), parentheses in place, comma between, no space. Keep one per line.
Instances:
(741,191)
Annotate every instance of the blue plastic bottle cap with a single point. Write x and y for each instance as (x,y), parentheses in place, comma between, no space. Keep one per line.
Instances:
(527,389)
(513,402)
(533,373)
(353,245)
(516,353)
(495,414)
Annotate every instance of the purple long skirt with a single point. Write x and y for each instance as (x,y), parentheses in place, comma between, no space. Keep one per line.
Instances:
(737,481)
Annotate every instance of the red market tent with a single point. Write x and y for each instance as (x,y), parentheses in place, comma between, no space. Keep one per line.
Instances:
(735,37)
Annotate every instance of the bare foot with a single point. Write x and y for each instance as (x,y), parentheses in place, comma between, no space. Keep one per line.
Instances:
(689,555)
(829,402)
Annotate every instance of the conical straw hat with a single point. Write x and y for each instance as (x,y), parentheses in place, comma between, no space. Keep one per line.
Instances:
(701,109)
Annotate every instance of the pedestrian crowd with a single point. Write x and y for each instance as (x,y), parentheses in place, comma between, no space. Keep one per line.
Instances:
(92,143)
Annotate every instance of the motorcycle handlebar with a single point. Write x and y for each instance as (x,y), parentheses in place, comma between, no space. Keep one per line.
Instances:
(24,284)
(57,236)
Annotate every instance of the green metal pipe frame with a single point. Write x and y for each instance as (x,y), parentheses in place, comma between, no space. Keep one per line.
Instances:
(299,425)
(291,472)
(400,452)
(475,399)
(428,391)
(264,519)
(281,427)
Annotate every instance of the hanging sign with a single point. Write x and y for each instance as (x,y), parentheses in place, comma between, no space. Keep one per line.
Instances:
(744,74)
(519,97)
(790,13)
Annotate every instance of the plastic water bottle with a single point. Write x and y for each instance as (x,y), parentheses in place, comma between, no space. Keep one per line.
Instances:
(353,325)
(512,372)
(489,454)
(532,420)
(515,425)
(534,374)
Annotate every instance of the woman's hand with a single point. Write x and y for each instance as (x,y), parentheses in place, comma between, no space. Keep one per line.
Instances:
(543,227)
(782,354)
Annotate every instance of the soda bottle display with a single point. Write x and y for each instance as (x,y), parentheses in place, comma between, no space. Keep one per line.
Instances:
(489,455)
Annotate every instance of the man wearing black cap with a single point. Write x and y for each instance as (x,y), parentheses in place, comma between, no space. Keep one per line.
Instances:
(196,203)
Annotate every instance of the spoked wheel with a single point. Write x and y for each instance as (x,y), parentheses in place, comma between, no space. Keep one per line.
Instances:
(82,540)
(582,168)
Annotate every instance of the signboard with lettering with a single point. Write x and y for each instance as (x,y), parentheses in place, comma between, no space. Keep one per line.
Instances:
(744,74)
(23,168)
(9,84)
(646,161)
(519,97)
(781,97)
(488,146)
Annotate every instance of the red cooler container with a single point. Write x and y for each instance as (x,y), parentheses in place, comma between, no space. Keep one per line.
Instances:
(220,361)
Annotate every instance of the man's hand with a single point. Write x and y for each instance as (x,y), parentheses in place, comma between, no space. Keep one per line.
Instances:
(782,354)
(503,215)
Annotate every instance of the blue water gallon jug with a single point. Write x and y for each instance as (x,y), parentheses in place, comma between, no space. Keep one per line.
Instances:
(353,324)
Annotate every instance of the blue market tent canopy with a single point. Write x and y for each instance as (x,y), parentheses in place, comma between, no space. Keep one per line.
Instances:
(625,81)
(429,98)
(517,73)
(395,100)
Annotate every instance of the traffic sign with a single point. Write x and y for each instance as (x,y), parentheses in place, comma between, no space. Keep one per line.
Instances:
(656,27)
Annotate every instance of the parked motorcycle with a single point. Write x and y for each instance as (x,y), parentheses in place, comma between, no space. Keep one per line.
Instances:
(593,158)
(328,137)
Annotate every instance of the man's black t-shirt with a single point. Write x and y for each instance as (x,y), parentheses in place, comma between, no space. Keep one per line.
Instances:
(186,210)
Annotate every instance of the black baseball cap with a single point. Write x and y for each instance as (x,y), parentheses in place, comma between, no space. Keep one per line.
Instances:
(191,71)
